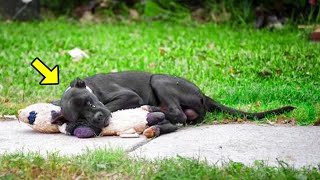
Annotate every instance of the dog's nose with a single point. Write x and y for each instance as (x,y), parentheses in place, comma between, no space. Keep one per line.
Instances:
(98,116)
(101,119)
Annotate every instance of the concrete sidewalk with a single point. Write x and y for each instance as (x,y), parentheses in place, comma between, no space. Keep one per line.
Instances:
(217,144)
(298,146)
(15,136)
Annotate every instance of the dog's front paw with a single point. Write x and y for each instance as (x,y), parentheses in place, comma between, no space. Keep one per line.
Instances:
(151,132)
(154,118)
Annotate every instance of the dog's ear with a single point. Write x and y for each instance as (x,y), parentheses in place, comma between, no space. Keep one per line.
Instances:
(57,102)
(57,118)
(78,83)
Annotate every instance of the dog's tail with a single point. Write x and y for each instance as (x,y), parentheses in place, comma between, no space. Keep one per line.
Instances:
(215,106)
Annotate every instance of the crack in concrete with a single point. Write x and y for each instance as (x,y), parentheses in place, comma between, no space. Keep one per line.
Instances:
(138,145)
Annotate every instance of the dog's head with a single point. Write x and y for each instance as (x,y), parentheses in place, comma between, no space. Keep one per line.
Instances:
(80,107)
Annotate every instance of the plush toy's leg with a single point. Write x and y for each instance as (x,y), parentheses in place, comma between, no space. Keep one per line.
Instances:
(162,127)
(151,132)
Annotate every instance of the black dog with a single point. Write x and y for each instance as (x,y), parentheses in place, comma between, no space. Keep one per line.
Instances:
(89,102)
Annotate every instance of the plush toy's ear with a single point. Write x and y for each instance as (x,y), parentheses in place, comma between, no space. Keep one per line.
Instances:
(57,118)
(78,83)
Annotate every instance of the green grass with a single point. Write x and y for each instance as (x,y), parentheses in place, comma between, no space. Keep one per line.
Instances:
(239,66)
(102,164)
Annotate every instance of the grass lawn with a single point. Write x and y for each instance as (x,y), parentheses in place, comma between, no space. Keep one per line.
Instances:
(241,67)
(102,164)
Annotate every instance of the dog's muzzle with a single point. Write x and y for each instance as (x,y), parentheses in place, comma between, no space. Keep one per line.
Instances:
(101,119)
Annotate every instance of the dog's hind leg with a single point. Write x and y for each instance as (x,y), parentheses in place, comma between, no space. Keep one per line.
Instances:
(192,115)
(180,100)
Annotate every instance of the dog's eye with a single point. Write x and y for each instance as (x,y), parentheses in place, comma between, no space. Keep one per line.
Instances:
(91,105)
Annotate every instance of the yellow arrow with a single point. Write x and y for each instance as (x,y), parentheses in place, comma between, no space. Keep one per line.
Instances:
(50,77)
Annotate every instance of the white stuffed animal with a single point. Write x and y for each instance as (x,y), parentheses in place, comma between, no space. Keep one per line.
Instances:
(38,117)
(124,123)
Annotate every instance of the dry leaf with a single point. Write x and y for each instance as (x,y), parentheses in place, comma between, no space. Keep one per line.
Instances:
(134,15)
(258,104)
(317,123)
(163,50)
(152,65)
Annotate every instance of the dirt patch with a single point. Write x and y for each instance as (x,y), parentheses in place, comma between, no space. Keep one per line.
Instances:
(278,121)
(8,118)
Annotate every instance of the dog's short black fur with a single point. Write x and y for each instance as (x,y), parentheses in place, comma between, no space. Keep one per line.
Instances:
(180,100)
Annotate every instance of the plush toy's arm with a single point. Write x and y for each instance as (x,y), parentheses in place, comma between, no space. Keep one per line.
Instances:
(80,132)
(84,132)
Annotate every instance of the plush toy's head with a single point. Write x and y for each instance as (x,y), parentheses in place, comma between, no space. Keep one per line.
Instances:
(38,117)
